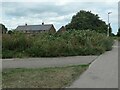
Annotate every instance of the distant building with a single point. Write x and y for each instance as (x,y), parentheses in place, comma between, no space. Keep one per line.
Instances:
(62,29)
(36,28)
(3,29)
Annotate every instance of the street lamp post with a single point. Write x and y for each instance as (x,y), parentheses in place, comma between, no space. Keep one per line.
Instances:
(108,23)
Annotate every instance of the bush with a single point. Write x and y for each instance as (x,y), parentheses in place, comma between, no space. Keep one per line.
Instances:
(8,54)
(69,43)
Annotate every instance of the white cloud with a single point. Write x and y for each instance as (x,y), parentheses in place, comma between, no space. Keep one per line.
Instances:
(60,1)
(0,11)
(58,12)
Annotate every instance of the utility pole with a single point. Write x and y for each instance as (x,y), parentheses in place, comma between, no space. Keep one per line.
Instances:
(108,24)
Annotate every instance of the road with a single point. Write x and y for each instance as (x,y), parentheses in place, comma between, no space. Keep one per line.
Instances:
(47,62)
(102,73)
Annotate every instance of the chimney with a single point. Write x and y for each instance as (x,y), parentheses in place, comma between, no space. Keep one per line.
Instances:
(25,24)
(42,23)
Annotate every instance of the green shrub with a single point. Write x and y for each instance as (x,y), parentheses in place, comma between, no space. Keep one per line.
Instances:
(16,41)
(8,54)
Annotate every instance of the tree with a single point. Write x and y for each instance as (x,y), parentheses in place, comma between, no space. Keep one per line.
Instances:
(3,29)
(84,20)
(113,35)
(10,32)
(118,33)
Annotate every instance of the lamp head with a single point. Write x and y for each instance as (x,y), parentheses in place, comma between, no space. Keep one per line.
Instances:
(109,12)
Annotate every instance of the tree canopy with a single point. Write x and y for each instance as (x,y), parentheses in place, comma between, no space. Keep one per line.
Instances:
(84,20)
(118,33)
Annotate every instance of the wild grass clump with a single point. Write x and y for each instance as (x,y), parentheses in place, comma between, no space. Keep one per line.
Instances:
(69,43)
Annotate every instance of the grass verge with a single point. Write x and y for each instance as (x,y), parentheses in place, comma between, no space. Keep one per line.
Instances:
(57,77)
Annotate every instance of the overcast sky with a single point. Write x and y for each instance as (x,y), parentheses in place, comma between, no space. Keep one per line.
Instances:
(57,12)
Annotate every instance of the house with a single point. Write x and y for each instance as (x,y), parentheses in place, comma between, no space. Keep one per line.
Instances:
(36,28)
(3,29)
(62,29)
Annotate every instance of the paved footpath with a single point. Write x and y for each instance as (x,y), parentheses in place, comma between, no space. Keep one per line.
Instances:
(102,73)
(47,62)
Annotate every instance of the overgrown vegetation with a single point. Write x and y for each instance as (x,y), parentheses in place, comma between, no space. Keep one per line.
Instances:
(57,77)
(72,42)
